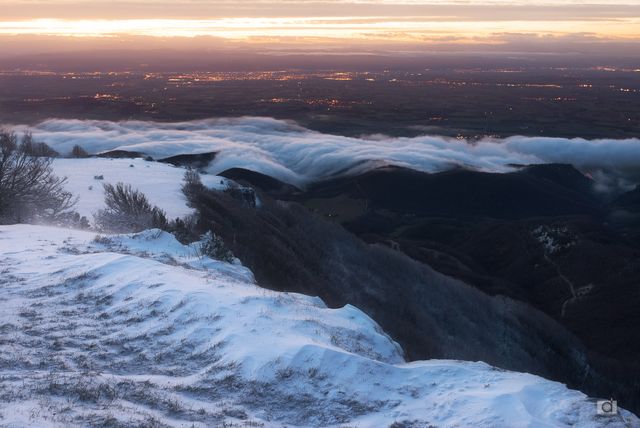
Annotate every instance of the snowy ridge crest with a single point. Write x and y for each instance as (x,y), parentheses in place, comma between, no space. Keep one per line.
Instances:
(137,329)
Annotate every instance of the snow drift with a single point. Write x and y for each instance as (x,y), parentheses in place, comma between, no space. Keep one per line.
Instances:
(297,155)
(137,329)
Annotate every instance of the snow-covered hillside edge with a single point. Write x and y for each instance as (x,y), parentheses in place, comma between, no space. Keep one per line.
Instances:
(137,330)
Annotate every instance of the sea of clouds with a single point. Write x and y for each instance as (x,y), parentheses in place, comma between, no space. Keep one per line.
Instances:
(291,153)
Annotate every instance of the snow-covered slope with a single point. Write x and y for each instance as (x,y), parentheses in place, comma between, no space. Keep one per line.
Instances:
(160,182)
(136,329)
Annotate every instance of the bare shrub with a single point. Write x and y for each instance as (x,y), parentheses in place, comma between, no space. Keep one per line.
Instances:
(128,210)
(102,240)
(71,219)
(29,190)
(184,228)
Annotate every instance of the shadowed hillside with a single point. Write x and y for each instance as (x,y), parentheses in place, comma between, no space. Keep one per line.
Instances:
(429,314)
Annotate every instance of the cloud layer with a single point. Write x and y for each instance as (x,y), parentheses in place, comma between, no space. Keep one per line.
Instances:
(298,156)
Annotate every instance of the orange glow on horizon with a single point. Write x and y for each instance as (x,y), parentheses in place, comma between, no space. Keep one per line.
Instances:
(407,29)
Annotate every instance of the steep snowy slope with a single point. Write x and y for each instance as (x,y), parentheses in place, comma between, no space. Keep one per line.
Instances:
(138,330)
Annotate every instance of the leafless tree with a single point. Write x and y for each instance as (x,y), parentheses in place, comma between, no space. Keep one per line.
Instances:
(33,148)
(29,190)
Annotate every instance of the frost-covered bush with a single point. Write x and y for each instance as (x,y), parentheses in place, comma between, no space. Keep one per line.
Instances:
(128,210)
(211,245)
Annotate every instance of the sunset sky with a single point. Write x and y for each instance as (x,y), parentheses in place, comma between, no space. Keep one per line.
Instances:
(413,24)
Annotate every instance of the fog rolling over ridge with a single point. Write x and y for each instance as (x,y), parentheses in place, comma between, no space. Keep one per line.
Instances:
(297,155)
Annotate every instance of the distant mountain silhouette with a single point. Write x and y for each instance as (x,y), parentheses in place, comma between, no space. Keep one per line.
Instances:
(198,160)
(539,190)
(263,182)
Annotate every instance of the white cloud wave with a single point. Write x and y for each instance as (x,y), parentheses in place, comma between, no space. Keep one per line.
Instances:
(297,155)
